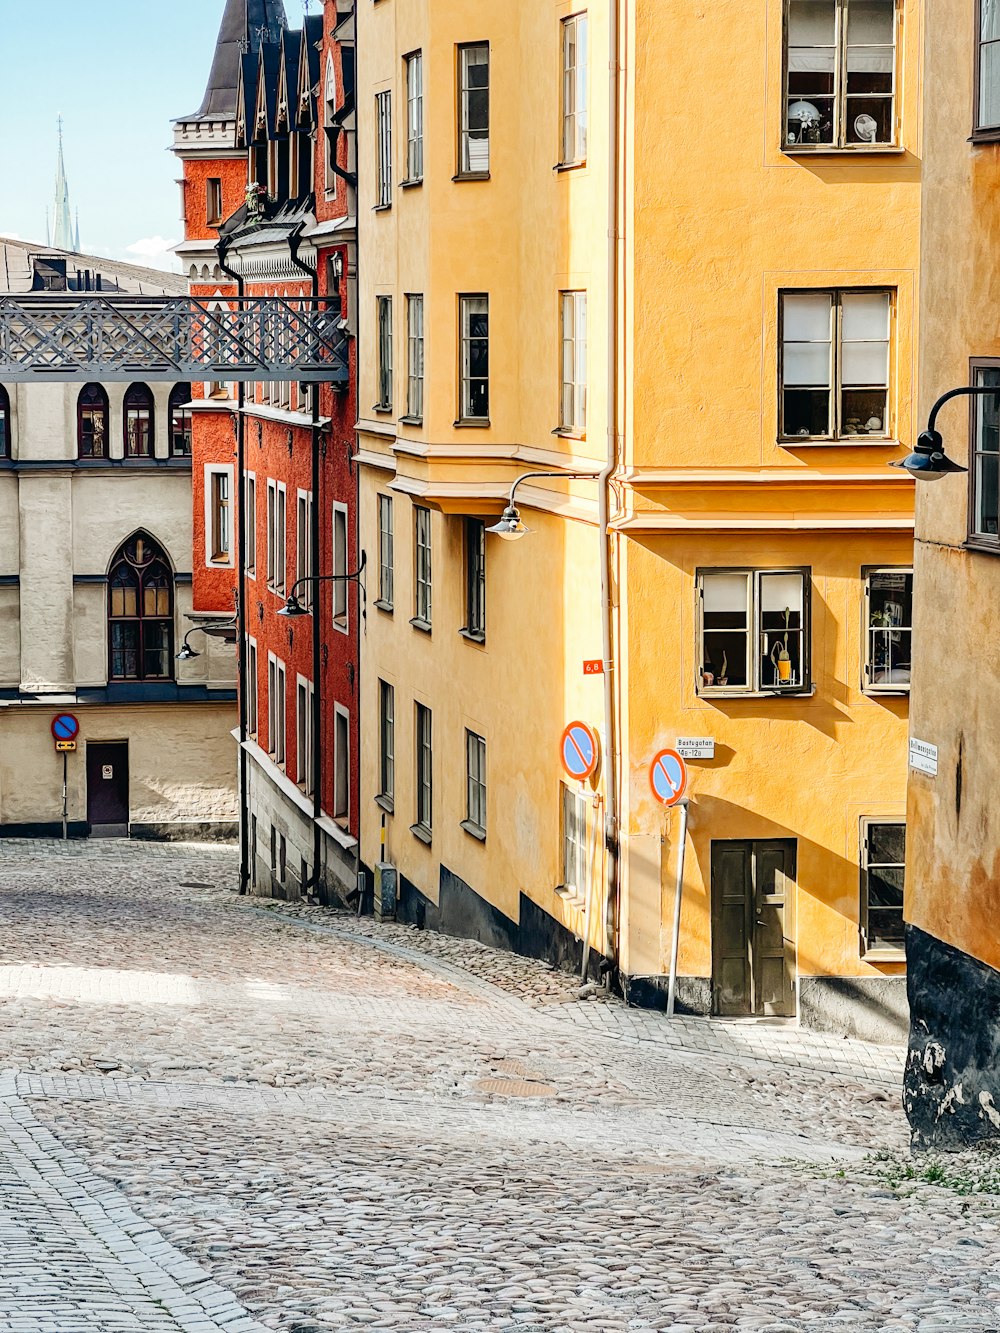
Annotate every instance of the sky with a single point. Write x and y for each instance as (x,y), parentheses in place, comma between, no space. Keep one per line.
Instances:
(118,71)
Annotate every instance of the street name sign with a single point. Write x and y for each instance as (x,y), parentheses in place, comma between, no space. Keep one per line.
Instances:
(924,758)
(696,747)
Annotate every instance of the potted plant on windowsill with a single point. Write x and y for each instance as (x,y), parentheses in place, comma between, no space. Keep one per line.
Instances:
(723,674)
(780,656)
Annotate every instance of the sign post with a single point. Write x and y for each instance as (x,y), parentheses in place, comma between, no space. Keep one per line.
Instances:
(668,779)
(65,729)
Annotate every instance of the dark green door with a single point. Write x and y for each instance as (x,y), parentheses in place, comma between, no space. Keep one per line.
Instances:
(753,936)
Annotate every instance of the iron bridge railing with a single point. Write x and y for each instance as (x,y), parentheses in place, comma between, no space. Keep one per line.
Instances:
(100,336)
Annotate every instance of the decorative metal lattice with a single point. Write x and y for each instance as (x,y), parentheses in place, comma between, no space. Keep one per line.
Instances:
(100,337)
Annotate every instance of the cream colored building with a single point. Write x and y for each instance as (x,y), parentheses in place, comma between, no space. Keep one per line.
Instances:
(95,591)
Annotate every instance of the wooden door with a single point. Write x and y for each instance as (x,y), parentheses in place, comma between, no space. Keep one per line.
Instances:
(107,788)
(753,948)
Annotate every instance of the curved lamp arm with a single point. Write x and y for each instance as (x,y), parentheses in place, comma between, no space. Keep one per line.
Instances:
(509,525)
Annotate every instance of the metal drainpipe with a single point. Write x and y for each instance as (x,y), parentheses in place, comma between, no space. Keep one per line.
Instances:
(222,250)
(294,241)
(604,503)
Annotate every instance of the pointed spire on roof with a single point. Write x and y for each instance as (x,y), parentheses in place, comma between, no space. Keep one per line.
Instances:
(62,217)
(246,25)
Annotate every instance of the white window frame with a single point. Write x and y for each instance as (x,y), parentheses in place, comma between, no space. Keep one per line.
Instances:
(575,868)
(383,330)
(303,546)
(250,523)
(383,154)
(252,687)
(472,303)
(281,537)
(469,134)
(329,111)
(868,950)
(386,554)
(574,35)
(414,63)
(341,764)
(217,526)
(415,356)
(213,200)
(983,459)
(423,569)
(305,701)
(475,579)
(475,784)
(387,742)
(760,681)
(340,538)
(424,768)
(878,639)
(573,362)
(277,705)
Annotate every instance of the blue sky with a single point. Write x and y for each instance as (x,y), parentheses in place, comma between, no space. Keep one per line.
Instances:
(118,71)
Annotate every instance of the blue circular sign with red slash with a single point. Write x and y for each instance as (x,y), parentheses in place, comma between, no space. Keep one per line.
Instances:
(65,727)
(580,751)
(668,777)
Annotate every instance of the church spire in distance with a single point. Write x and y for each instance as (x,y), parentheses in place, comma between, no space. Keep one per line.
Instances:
(62,217)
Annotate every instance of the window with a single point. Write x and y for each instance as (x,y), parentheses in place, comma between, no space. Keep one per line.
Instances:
(840,64)
(574,90)
(219,516)
(475,784)
(251,687)
(383,306)
(140,612)
(475,370)
(251,524)
(276,536)
(422,565)
(988,67)
(475,578)
(387,740)
(303,546)
(415,116)
(4,423)
(138,422)
(883,856)
(889,621)
(181,421)
(92,422)
(339,585)
(385,553)
(984,512)
(573,337)
(213,201)
(754,630)
(276,709)
(574,838)
(835,365)
(474,110)
(341,763)
(383,166)
(304,735)
(425,787)
(415,357)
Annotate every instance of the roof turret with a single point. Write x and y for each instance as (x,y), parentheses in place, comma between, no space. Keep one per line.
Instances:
(245,25)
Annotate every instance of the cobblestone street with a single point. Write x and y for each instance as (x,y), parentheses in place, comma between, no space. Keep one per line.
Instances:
(224,1114)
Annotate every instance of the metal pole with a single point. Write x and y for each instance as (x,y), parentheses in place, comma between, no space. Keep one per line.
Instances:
(678,894)
(65,812)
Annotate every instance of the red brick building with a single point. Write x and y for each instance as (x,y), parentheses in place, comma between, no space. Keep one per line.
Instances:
(269,210)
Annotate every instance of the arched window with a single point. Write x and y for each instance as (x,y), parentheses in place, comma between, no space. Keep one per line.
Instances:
(140,612)
(181,421)
(92,422)
(138,422)
(4,423)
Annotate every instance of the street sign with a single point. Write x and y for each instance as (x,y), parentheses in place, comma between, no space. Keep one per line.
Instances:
(668,777)
(579,750)
(65,747)
(924,758)
(696,747)
(593,667)
(65,727)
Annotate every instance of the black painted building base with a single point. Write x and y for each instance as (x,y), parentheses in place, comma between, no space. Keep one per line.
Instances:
(197,831)
(951,1086)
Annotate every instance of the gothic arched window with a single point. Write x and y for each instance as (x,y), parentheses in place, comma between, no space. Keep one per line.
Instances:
(138,422)
(4,423)
(92,422)
(140,612)
(181,420)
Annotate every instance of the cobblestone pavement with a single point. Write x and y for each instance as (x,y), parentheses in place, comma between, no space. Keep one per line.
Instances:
(225,1115)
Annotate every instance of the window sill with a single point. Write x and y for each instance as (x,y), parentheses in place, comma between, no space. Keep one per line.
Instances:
(477,636)
(387,607)
(411,421)
(795,691)
(383,409)
(422,833)
(472,423)
(985,136)
(382,208)
(570,433)
(836,442)
(561,167)
(982,547)
(886,691)
(386,803)
(410,184)
(845,150)
(474,830)
(424,626)
(220,561)
(471,176)
(883,955)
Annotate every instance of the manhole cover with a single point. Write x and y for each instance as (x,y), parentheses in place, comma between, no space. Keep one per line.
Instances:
(514,1087)
(507,1066)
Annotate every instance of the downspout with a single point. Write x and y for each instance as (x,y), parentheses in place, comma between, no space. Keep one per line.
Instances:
(294,241)
(611,831)
(222,251)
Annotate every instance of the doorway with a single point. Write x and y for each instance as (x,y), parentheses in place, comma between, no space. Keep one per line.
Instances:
(107,789)
(753,928)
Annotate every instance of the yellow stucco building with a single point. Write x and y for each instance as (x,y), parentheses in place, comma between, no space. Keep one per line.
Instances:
(699,289)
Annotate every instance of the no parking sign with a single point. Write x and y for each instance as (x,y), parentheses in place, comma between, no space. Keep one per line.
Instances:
(579,751)
(668,777)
